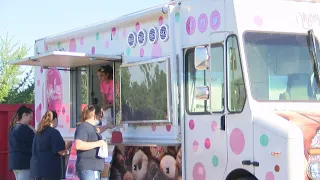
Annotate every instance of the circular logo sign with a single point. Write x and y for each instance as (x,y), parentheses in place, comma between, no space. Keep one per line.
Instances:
(164,32)
(132,39)
(153,35)
(142,37)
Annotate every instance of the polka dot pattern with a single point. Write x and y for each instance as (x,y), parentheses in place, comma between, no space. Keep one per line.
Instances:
(177,17)
(237,141)
(93,50)
(59,45)
(128,50)
(258,20)
(81,41)
(141,52)
(160,20)
(97,36)
(191,124)
(269,176)
(114,31)
(153,128)
(191,25)
(199,172)
(207,143)
(215,161)
(195,145)
(72,45)
(156,51)
(168,127)
(137,26)
(106,44)
(276,168)
(264,140)
(214,126)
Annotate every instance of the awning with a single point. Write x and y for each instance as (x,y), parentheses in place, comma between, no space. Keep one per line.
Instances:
(66,59)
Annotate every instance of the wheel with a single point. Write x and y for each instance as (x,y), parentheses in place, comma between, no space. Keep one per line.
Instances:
(247,178)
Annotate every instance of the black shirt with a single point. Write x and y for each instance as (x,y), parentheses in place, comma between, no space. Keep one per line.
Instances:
(45,161)
(20,144)
(88,160)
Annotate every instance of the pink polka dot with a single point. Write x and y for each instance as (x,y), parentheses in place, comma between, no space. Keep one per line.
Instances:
(41,69)
(106,44)
(269,176)
(81,41)
(72,45)
(141,52)
(237,141)
(124,33)
(47,48)
(214,125)
(38,82)
(191,124)
(153,127)
(114,30)
(137,26)
(207,143)
(168,127)
(93,50)
(156,51)
(38,114)
(160,20)
(199,172)
(195,146)
(258,20)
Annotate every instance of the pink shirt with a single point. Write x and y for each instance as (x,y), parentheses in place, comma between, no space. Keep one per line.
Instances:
(106,89)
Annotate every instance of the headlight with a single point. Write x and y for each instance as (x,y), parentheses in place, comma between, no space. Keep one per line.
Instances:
(313,170)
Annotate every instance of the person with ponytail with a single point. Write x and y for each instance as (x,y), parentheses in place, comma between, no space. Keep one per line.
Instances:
(87,143)
(47,148)
(21,135)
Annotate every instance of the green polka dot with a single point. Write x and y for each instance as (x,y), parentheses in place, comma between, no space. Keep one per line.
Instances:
(134,127)
(215,161)
(177,17)
(97,36)
(59,45)
(128,51)
(264,140)
(37,50)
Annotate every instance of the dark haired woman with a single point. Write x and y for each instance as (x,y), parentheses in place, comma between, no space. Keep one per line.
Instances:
(87,142)
(47,149)
(105,75)
(20,143)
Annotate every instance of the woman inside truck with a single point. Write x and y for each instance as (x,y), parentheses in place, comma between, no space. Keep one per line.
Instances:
(87,142)
(20,142)
(47,148)
(105,75)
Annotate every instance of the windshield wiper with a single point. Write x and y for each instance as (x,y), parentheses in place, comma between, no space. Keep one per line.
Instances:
(311,41)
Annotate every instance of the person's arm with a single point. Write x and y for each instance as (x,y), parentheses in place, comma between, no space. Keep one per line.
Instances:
(58,145)
(81,138)
(102,129)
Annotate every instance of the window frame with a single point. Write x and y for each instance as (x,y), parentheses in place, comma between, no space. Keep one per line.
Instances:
(186,79)
(167,60)
(227,74)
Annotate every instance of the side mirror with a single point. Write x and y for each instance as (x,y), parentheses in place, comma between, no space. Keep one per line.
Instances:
(202,93)
(201,58)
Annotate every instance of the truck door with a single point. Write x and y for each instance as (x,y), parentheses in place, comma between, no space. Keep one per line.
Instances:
(205,135)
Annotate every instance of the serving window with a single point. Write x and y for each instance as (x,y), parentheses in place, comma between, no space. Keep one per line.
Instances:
(144,92)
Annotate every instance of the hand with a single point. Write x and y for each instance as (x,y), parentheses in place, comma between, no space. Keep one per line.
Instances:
(110,126)
(102,143)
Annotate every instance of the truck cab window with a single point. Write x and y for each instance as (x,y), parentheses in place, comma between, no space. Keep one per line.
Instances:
(196,78)
(236,87)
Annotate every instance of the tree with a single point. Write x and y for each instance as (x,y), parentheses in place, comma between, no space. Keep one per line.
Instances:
(9,80)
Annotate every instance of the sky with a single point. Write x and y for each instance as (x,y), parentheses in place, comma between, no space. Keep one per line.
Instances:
(30,20)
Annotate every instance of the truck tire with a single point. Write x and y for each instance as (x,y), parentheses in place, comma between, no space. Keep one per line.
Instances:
(247,178)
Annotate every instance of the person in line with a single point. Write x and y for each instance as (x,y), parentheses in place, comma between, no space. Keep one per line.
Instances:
(87,143)
(47,148)
(21,135)
(105,75)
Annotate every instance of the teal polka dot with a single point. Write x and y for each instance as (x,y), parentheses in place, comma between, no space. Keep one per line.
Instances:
(37,50)
(177,17)
(97,36)
(128,51)
(264,140)
(215,161)
(59,45)
(134,127)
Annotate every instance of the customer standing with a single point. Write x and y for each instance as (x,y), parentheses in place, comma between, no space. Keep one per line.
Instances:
(47,149)
(21,135)
(87,142)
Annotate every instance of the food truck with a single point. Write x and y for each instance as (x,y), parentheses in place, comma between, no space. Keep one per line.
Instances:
(205,89)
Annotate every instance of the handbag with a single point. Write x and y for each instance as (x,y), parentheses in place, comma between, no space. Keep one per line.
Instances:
(103,151)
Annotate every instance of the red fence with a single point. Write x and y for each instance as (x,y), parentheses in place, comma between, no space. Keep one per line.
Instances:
(6,113)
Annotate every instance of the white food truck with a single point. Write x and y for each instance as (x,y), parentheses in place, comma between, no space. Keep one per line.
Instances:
(228,86)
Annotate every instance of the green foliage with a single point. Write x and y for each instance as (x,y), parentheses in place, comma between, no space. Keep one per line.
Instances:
(10,88)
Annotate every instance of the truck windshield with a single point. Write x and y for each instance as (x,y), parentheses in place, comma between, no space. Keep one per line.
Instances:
(280,67)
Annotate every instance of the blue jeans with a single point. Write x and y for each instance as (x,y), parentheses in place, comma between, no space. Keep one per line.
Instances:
(89,175)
